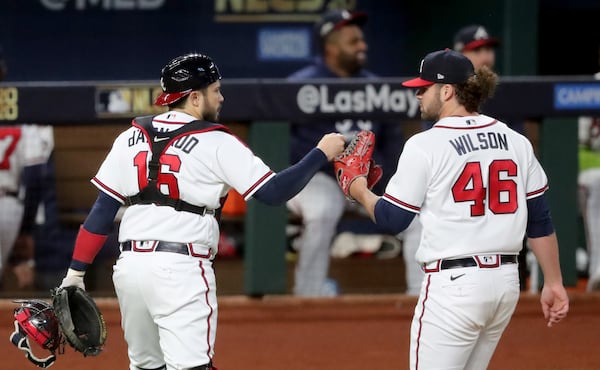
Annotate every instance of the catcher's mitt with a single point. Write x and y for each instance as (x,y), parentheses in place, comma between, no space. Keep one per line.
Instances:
(355,161)
(80,320)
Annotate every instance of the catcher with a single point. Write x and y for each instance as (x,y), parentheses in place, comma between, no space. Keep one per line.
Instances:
(73,317)
(174,179)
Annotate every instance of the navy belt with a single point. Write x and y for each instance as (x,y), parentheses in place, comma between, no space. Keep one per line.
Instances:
(13,194)
(180,248)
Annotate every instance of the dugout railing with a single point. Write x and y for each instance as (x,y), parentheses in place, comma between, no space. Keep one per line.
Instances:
(268,105)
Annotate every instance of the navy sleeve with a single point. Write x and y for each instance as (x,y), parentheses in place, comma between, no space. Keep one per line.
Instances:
(391,218)
(539,221)
(290,181)
(101,217)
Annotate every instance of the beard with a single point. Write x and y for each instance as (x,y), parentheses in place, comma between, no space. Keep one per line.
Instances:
(211,115)
(432,112)
(428,116)
(352,63)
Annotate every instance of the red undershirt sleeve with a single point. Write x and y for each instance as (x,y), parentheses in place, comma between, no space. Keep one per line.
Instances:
(87,246)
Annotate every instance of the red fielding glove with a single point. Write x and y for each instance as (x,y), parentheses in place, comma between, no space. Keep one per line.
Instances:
(374,175)
(355,161)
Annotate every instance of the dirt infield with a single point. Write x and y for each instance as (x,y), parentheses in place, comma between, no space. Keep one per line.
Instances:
(346,333)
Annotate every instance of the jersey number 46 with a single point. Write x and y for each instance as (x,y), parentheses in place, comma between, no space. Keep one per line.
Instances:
(501,192)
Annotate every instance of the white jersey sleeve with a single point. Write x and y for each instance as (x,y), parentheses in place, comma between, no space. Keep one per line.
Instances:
(537,181)
(408,186)
(118,175)
(240,168)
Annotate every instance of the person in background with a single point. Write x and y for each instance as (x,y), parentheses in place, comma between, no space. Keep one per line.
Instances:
(588,181)
(24,151)
(475,43)
(342,54)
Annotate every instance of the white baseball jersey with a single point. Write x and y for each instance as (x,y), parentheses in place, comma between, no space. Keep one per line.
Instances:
(198,168)
(22,146)
(469,178)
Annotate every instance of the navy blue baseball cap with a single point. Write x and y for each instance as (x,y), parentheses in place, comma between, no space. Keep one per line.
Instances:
(443,66)
(336,19)
(473,37)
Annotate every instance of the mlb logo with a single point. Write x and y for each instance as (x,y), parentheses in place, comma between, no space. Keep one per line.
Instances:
(488,261)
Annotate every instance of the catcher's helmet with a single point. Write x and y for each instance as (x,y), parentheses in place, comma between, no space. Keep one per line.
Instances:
(184,74)
(36,319)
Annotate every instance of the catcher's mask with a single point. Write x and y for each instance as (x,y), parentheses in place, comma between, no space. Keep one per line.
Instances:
(36,319)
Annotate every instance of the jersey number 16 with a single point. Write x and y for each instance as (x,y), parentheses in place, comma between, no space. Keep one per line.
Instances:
(164,178)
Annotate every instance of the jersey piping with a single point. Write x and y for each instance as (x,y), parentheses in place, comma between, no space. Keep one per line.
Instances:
(400,203)
(535,193)
(257,184)
(108,190)
(474,127)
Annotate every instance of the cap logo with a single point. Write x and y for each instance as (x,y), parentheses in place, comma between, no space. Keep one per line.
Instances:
(346,14)
(181,75)
(326,28)
(481,34)
(440,76)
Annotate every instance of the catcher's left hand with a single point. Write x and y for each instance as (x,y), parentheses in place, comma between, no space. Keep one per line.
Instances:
(356,162)
(80,320)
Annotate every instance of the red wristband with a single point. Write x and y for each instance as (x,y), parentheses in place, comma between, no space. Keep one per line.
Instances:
(87,245)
